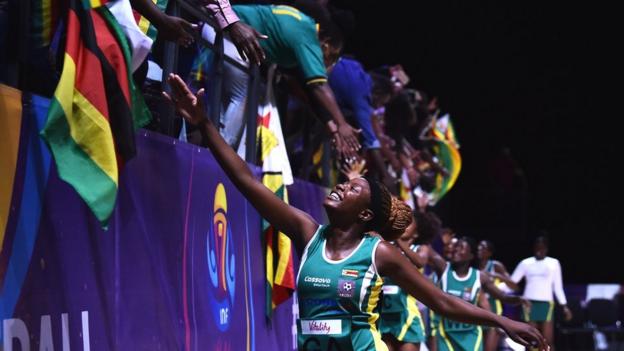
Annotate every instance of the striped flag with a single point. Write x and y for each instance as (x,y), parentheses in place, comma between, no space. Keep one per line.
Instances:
(96,107)
(276,174)
(280,273)
(146,26)
(443,130)
(447,152)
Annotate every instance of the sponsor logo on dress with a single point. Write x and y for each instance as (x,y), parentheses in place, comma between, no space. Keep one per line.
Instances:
(390,289)
(350,273)
(467,294)
(318,282)
(321,327)
(346,288)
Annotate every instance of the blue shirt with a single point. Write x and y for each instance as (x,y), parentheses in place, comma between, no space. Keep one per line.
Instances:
(352,88)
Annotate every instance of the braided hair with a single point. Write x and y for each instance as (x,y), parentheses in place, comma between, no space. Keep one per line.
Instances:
(391,215)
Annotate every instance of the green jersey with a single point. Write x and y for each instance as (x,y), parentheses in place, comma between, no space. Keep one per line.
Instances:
(434,319)
(339,300)
(400,315)
(456,335)
(292,38)
(495,304)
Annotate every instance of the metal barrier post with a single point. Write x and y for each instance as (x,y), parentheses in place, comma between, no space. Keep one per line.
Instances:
(217,80)
(251,114)
(170,59)
(170,63)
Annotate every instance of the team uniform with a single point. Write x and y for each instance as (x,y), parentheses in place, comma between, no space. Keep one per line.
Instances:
(434,319)
(339,300)
(456,336)
(400,315)
(543,277)
(495,304)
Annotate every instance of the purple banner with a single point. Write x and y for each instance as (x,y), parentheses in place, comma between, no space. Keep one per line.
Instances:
(180,267)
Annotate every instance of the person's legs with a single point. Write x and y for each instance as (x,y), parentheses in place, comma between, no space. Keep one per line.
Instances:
(233,92)
(492,337)
(538,327)
(232,121)
(540,317)
(390,341)
(547,329)
(432,337)
(432,343)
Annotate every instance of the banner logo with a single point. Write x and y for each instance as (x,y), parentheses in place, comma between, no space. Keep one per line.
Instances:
(221,261)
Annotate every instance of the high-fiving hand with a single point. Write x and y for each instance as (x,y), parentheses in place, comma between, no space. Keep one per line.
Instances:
(245,38)
(188,105)
(525,334)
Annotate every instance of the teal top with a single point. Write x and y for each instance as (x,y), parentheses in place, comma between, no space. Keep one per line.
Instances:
(495,304)
(466,288)
(339,300)
(395,298)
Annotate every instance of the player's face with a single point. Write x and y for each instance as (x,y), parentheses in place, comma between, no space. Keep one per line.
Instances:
(348,199)
(449,249)
(462,253)
(483,251)
(540,250)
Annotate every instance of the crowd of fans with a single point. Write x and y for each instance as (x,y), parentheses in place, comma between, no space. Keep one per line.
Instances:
(371,118)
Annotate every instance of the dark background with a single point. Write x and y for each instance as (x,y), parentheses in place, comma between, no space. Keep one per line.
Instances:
(534,81)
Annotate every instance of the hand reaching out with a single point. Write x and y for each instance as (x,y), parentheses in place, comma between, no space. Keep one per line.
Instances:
(525,334)
(245,38)
(353,168)
(187,104)
(349,137)
(344,140)
(176,29)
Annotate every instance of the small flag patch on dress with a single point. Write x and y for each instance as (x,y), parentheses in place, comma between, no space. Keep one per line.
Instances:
(350,273)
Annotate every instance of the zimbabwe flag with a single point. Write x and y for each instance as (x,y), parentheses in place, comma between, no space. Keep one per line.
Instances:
(280,271)
(446,150)
(276,175)
(144,24)
(96,107)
